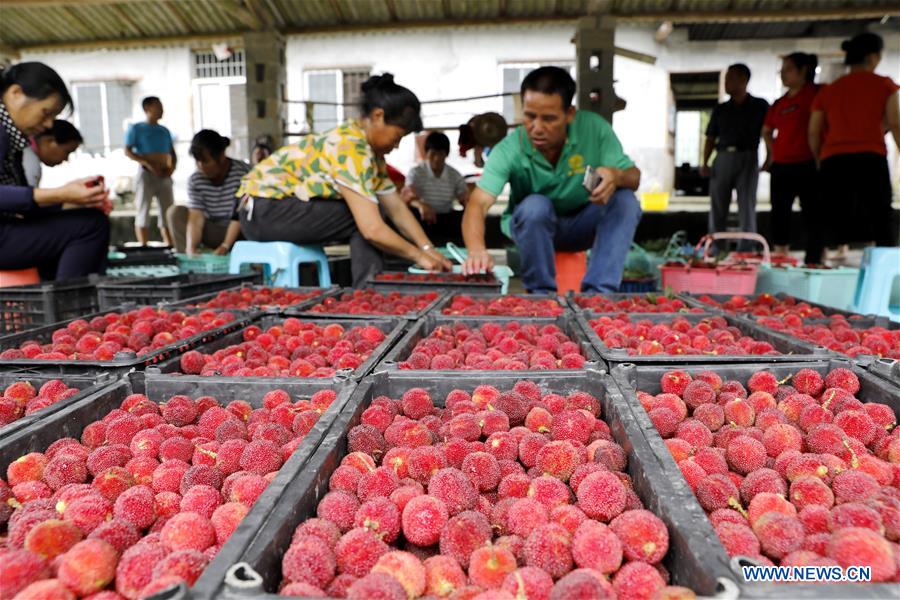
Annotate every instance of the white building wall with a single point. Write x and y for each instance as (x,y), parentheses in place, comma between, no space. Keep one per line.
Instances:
(440,63)
(163,72)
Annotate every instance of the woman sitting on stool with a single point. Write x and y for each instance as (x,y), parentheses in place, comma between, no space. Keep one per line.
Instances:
(332,186)
(210,216)
(34,232)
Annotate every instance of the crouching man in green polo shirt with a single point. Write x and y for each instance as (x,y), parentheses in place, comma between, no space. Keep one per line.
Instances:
(544,161)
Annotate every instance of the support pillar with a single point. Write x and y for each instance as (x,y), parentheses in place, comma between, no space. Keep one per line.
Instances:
(266,81)
(595,42)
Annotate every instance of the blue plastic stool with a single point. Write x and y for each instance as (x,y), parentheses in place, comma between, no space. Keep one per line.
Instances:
(878,272)
(282,260)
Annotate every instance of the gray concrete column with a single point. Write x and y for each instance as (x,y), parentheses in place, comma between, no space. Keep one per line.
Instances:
(266,82)
(594,50)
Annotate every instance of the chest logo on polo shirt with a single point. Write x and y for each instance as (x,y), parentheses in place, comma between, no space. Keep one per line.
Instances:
(576,165)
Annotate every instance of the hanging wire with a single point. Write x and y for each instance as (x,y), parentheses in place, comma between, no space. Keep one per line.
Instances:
(484,97)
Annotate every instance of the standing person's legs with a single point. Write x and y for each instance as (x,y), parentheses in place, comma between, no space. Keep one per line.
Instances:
(533,228)
(782,192)
(313,222)
(746,185)
(721,182)
(839,200)
(608,231)
(877,198)
(144,191)
(165,196)
(177,218)
(61,244)
(807,185)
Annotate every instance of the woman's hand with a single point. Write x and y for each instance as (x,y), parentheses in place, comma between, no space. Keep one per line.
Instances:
(85,192)
(77,194)
(428,260)
(222,250)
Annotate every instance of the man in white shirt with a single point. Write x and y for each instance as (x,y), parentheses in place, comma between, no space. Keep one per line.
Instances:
(431,188)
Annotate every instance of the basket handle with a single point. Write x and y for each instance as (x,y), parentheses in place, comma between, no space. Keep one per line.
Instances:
(707,240)
(455,252)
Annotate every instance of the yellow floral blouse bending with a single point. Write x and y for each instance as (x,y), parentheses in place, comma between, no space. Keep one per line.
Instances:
(314,166)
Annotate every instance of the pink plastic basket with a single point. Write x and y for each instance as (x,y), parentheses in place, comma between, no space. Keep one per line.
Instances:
(723,279)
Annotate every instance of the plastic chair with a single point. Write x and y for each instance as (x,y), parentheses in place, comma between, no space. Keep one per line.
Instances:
(21,277)
(570,270)
(282,260)
(879,275)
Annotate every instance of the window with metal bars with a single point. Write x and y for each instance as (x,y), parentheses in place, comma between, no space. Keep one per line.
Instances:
(207,65)
(512,74)
(336,95)
(102,112)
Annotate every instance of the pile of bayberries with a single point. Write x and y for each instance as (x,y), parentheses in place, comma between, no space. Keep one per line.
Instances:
(511,306)
(258,297)
(435,277)
(146,498)
(634,304)
(797,472)
(499,495)
(495,346)
(140,331)
(765,305)
(370,302)
(294,348)
(21,398)
(678,336)
(839,334)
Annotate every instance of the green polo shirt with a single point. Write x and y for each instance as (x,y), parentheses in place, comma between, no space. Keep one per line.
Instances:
(590,141)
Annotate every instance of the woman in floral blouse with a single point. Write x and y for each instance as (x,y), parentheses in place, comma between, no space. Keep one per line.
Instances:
(333,186)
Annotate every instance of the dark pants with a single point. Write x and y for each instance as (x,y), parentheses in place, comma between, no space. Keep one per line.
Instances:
(212,236)
(313,222)
(62,244)
(606,229)
(447,229)
(797,180)
(857,193)
(734,171)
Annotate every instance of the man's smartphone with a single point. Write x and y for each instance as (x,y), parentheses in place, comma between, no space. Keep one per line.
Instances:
(591,179)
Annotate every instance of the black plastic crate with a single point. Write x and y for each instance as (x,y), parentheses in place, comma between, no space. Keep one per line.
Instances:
(130,256)
(694,300)
(856,323)
(423,328)
(153,290)
(572,300)
(199,301)
(792,350)
(72,419)
(305,310)
(477,283)
(630,378)
(29,306)
(122,362)
(257,572)
(88,384)
(445,304)
(887,369)
(392,327)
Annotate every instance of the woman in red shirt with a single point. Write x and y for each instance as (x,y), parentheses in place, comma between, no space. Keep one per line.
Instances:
(789,158)
(855,112)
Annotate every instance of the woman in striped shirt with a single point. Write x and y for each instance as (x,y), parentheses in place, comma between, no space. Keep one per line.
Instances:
(210,217)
